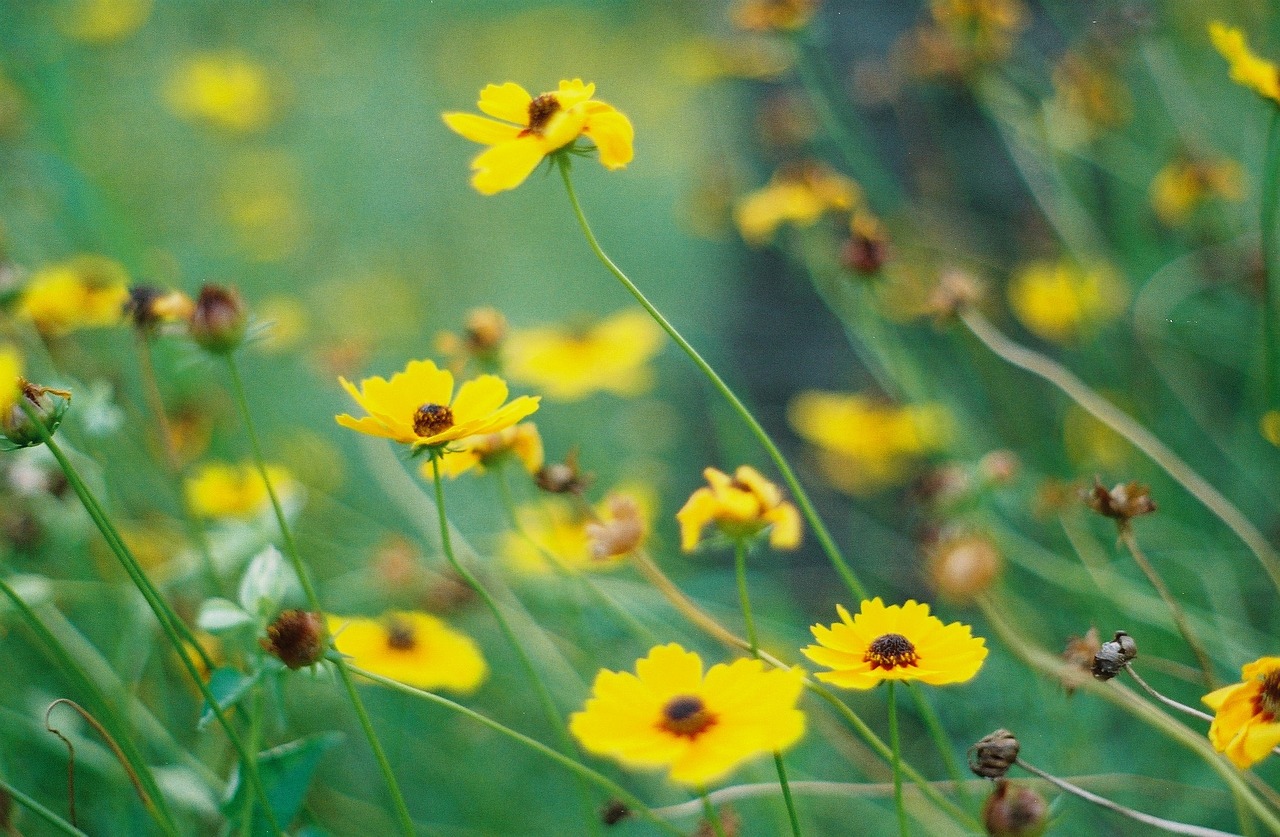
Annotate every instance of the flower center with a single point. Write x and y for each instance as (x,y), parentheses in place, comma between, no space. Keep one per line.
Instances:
(431,419)
(541,110)
(400,636)
(686,716)
(891,651)
(1267,703)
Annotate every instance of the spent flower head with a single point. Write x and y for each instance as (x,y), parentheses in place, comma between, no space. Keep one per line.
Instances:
(741,506)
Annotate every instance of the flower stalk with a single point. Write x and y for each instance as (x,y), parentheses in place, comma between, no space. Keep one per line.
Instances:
(896,745)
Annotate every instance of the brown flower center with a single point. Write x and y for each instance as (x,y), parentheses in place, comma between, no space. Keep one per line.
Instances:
(1267,703)
(891,651)
(400,636)
(541,110)
(431,419)
(687,716)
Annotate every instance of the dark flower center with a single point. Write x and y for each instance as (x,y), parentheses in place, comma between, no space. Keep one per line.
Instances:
(891,651)
(541,110)
(400,636)
(686,716)
(431,419)
(1267,703)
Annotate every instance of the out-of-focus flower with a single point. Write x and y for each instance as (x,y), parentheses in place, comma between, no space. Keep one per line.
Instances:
(705,60)
(798,195)
(218,319)
(962,567)
(218,489)
(539,126)
(898,642)
(481,340)
(226,89)
(741,507)
(419,407)
(150,307)
(1091,444)
(1079,655)
(1247,68)
(285,323)
(566,364)
(10,377)
(1186,184)
(986,28)
(1062,301)
(481,452)
(261,201)
(1015,811)
(669,714)
(563,477)
(412,647)
(104,21)
(867,248)
(771,15)
(153,541)
(83,292)
(1269,426)
(1088,88)
(556,530)
(1246,722)
(12,107)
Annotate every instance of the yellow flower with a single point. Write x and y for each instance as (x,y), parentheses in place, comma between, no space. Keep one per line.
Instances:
(225,89)
(412,647)
(669,714)
(419,407)
(83,292)
(740,506)
(1184,185)
(1060,300)
(540,126)
(767,15)
(1245,725)
(10,375)
(1269,426)
(480,452)
(898,642)
(567,364)
(556,530)
(798,195)
(221,490)
(1258,74)
(984,28)
(104,21)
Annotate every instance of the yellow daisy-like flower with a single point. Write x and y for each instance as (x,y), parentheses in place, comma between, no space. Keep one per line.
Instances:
(556,530)
(797,195)
(10,375)
(740,506)
(568,364)
(419,407)
(669,714)
(218,489)
(225,89)
(535,127)
(1246,721)
(480,452)
(895,643)
(1060,301)
(1183,186)
(83,292)
(412,647)
(1247,69)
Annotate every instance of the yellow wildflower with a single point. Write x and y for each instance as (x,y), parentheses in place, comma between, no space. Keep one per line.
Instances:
(10,376)
(769,15)
(1247,69)
(669,714)
(567,364)
(539,126)
(1061,301)
(985,28)
(1184,185)
(797,195)
(104,21)
(218,489)
(480,452)
(741,506)
(898,642)
(556,530)
(225,89)
(1245,725)
(412,647)
(1269,426)
(83,292)
(419,407)
(1089,98)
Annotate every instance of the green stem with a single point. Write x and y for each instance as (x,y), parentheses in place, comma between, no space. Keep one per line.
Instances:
(896,745)
(788,475)
(709,812)
(57,822)
(939,736)
(313,602)
(1270,269)
(255,739)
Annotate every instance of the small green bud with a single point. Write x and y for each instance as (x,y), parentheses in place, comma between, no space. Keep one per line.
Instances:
(35,404)
(219,319)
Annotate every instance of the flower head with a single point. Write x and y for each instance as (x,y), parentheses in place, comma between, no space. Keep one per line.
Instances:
(10,377)
(798,195)
(83,292)
(218,489)
(1061,301)
(414,648)
(555,530)
(1186,184)
(741,506)
(225,89)
(476,453)
(569,363)
(1258,74)
(536,126)
(419,406)
(1245,723)
(898,642)
(700,726)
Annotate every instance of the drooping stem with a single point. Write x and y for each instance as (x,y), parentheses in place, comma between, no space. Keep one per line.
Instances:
(896,745)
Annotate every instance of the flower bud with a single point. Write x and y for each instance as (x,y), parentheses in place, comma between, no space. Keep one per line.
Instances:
(994,754)
(1014,811)
(962,568)
(219,319)
(297,638)
(562,478)
(1114,656)
(48,406)
(1122,503)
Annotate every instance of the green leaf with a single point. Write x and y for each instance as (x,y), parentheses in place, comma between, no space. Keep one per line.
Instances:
(286,773)
(228,686)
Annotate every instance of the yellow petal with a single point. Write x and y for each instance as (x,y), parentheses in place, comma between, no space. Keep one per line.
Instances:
(478,398)
(698,511)
(507,101)
(571,93)
(612,133)
(506,165)
(481,130)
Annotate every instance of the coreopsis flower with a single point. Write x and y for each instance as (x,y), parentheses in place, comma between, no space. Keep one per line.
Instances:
(741,506)
(419,407)
(150,307)
(1245,725)
(477,453)
(225,89)
(798,195)
(1184,185)
(10,377)
(570,363)
(103,21)
(669,714)
(412,647)
(773,15)
(897,642)
(1247,68)
(534,127)
(83,292)
(219,489)
(557,530)
(1061,301)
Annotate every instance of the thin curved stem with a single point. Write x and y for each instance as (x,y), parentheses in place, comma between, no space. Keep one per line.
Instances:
(1167,701)
(896,745)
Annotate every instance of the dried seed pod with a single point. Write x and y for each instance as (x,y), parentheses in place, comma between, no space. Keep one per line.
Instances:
(1114,656)
(1014,811)
(994,754)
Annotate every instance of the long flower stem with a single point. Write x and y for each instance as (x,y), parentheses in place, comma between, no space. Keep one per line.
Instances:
(313,601)
(53,820)
(1270,268)
(896,745)
(788,475)
(1167,701)
(939,736)
(712,818)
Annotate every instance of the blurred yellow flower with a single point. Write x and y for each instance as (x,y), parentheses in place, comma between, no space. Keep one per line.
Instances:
(484,330)
(10,374)
(669,714)
(898,642)
(83,292)
(285,318)
(218,489)
(480,452)
(1247,69)
(1184,185)
(1269,426)
(797,195)
(540,126)
(985,28)
(412,647)
(566,364)
(104,21)
(768,15)
(1061,301)
(261,201)
(1089,94)
(741,507)
(225,89)
(1246,722)
(555,530)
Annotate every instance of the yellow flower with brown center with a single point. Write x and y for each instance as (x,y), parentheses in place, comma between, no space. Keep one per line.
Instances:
(534,127)
(570,363)
(83,292)
(1062,301)
(1247,68)
(419,406)
(10,376)
(798,195)
(1246,721)
(478,453)
(414,648)
(700,726)
(218,489)
(556,530)
(771,15)
(1184,185)
(225,89)
(741,507)
(898,642)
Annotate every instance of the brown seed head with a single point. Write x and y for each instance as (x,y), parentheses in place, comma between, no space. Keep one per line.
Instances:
(1122,503)
(1113,656)
(955,290)
(1014,811)
(620,533)
(994,754)
(486,328)
(297,638)
(219,319)
(563,478)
